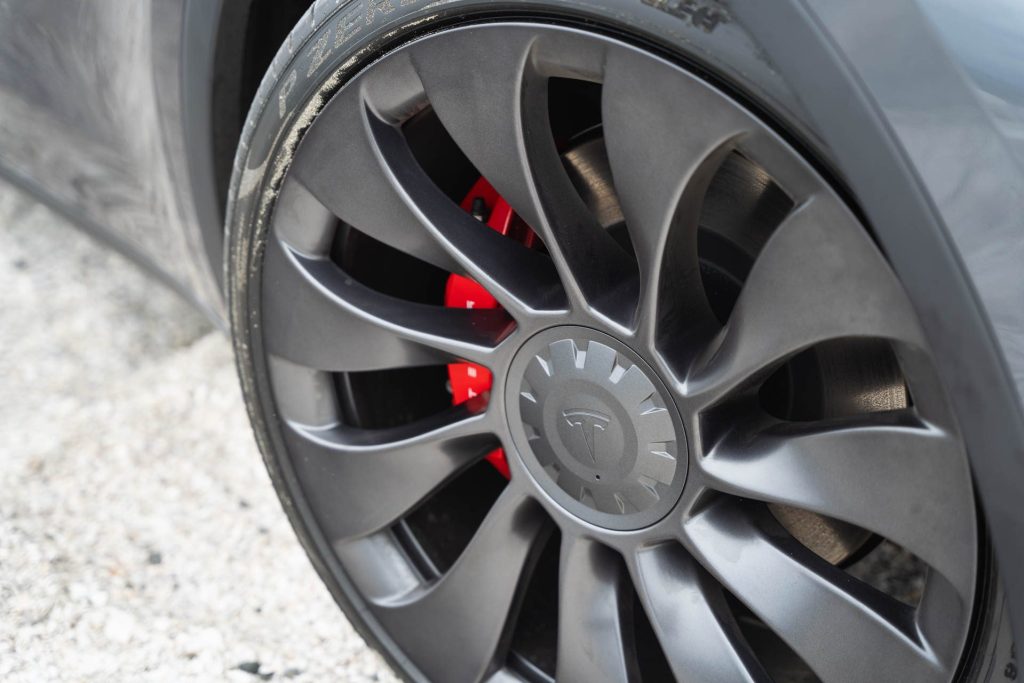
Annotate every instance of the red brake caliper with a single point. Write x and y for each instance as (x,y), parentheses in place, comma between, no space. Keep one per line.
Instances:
(469,379)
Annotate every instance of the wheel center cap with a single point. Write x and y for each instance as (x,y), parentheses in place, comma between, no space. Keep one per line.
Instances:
(594,426)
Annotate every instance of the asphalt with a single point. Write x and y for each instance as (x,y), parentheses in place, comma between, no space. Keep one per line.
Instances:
(140,538)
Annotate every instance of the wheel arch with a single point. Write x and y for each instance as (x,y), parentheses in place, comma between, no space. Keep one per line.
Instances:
(226,46)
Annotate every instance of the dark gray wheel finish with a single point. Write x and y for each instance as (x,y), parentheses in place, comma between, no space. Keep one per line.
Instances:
(595,428)
(901,474)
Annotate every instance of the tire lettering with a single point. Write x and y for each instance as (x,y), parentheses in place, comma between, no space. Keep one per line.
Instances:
(320,52)
(375,7)
(347,26)
(699,15)
(286,89)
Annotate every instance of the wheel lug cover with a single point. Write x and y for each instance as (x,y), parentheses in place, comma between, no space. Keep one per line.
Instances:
(593,425)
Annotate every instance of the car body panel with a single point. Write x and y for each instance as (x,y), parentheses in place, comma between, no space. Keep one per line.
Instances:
(981,190)
(91,121)
(949,79)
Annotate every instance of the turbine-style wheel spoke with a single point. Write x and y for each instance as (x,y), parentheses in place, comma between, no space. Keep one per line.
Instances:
(843,629)
(521,279)
(661,184)
(319,317)
(687,609)
(472,605)
(819,277)
(890,474)
(364,480)
(346,174)
(595,603)
(370,179)
(492,99)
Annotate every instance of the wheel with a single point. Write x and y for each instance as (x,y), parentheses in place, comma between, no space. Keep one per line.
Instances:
(570,363)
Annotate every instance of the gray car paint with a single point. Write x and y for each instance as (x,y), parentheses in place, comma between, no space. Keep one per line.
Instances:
(952,92)
(91,122)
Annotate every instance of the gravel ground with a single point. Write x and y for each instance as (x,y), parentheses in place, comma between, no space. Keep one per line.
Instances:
(140,538)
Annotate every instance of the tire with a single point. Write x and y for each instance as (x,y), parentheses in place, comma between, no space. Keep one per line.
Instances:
(336,43)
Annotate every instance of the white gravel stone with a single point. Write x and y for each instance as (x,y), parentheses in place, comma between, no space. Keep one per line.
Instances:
(140,539)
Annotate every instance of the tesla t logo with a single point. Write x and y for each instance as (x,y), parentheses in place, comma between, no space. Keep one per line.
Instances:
(589,422)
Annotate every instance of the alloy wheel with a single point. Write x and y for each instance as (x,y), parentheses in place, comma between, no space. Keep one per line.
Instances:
(709,389)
